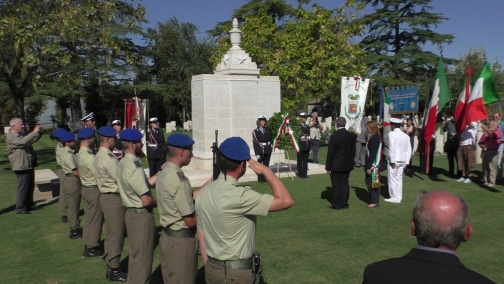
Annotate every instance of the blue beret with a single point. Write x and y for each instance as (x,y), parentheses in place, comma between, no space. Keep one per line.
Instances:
(58,132)
(235,148)
(107,131)
(85,133)
(67,137)
(179,140)
(131,135)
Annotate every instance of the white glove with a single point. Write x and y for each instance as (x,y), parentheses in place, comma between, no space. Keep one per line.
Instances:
(258,157)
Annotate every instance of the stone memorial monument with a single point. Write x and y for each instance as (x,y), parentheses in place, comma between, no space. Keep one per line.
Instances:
(230,100)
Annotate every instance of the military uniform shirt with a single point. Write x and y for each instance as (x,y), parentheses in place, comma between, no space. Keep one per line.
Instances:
(68,160)
(85,161)
(227,217)
(132,181)
(175,197)
(105,164)
(58,150)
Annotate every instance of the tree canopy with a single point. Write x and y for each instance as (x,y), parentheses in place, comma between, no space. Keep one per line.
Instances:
(309,52)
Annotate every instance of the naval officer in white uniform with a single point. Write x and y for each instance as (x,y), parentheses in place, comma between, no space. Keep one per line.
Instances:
(399,156)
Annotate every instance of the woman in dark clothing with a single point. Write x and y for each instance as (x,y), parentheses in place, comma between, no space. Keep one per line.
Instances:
(372,166)
(156,153)
(261,139)
(304,147)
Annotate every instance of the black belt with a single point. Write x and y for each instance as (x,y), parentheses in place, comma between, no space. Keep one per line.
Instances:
(90,186)
(188,233)
(242,264)
(139,210)
(70,175)
(112,193)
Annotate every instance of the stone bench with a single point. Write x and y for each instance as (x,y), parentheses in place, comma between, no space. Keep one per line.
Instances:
(46,185)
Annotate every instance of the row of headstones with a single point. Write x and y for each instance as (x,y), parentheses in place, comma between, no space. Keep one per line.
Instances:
(172,126)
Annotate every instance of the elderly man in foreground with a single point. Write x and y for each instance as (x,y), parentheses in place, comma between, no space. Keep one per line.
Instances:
(23,162)
(440,223)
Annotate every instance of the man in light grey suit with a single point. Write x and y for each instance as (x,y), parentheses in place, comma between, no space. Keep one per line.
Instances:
(399,156)
(360,144)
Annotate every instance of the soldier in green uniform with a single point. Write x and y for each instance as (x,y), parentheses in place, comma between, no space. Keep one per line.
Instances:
(61,175)
(71,183)
(177,244)
(227,215)
(93,215)
(139,203)
(105,164)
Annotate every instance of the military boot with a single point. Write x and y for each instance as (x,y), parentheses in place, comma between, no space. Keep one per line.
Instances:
(75,234)
(116,274)
(92,252)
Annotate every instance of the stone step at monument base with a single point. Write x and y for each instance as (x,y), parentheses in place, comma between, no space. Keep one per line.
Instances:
(46,185)
(198,178)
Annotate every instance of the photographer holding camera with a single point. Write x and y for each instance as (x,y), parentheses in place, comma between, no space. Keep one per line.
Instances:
(315,129)
(23,161)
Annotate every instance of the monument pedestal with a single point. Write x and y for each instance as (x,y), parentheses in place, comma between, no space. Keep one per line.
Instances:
(230,101)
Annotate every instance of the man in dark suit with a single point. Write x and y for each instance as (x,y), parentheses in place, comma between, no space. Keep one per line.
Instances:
(339,163)
(440,223)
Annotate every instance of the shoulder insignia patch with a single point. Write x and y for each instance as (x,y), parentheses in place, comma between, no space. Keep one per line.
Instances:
(111,155)
(181,176)
(90,151)
(138,164)
(70,151)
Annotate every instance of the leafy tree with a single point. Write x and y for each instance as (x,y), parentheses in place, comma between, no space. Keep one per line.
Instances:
(177,54)
(309,53)
(51,40)
(398,31)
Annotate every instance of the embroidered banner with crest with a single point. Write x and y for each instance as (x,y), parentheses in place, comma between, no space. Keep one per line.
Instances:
(353,98)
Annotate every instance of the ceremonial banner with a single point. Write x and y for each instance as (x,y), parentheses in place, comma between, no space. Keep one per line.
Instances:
(353,99)
(403,99)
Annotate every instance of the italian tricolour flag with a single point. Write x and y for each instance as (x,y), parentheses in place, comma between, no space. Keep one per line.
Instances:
(483,92)
(386,109)
(440,96)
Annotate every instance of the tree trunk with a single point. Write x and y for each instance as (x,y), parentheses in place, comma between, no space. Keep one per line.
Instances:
(76,107)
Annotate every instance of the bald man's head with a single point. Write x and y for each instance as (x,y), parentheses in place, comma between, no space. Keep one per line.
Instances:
(440,219)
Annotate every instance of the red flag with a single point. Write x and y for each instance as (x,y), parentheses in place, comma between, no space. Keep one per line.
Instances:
(464,95)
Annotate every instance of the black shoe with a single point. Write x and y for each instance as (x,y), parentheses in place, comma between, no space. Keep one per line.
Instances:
(23,212)
(116,275)
(75,234)
(345,206)
(64,219)
(92,252)
(330,207)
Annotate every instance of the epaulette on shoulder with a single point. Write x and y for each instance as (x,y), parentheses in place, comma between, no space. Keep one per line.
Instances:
(70,151)
(181,176)
(138,164)
(111,155)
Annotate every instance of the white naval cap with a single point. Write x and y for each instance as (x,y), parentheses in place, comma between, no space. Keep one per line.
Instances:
(116,122)
(261,117)
(395,120)
(89,116)
(153,120)
(303,114)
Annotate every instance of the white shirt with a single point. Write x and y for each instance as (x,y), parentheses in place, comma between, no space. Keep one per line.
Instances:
(468,136)
(399,147)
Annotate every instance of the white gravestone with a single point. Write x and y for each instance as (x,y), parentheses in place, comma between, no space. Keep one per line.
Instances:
(230,101)
(188,125)
(170,126)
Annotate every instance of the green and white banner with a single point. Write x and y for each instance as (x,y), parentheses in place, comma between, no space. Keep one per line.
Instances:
(353,98)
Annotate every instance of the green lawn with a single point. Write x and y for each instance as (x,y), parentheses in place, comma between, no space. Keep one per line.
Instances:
(306,244)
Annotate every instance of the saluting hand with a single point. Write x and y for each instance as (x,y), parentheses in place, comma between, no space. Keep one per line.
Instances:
(257,167)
